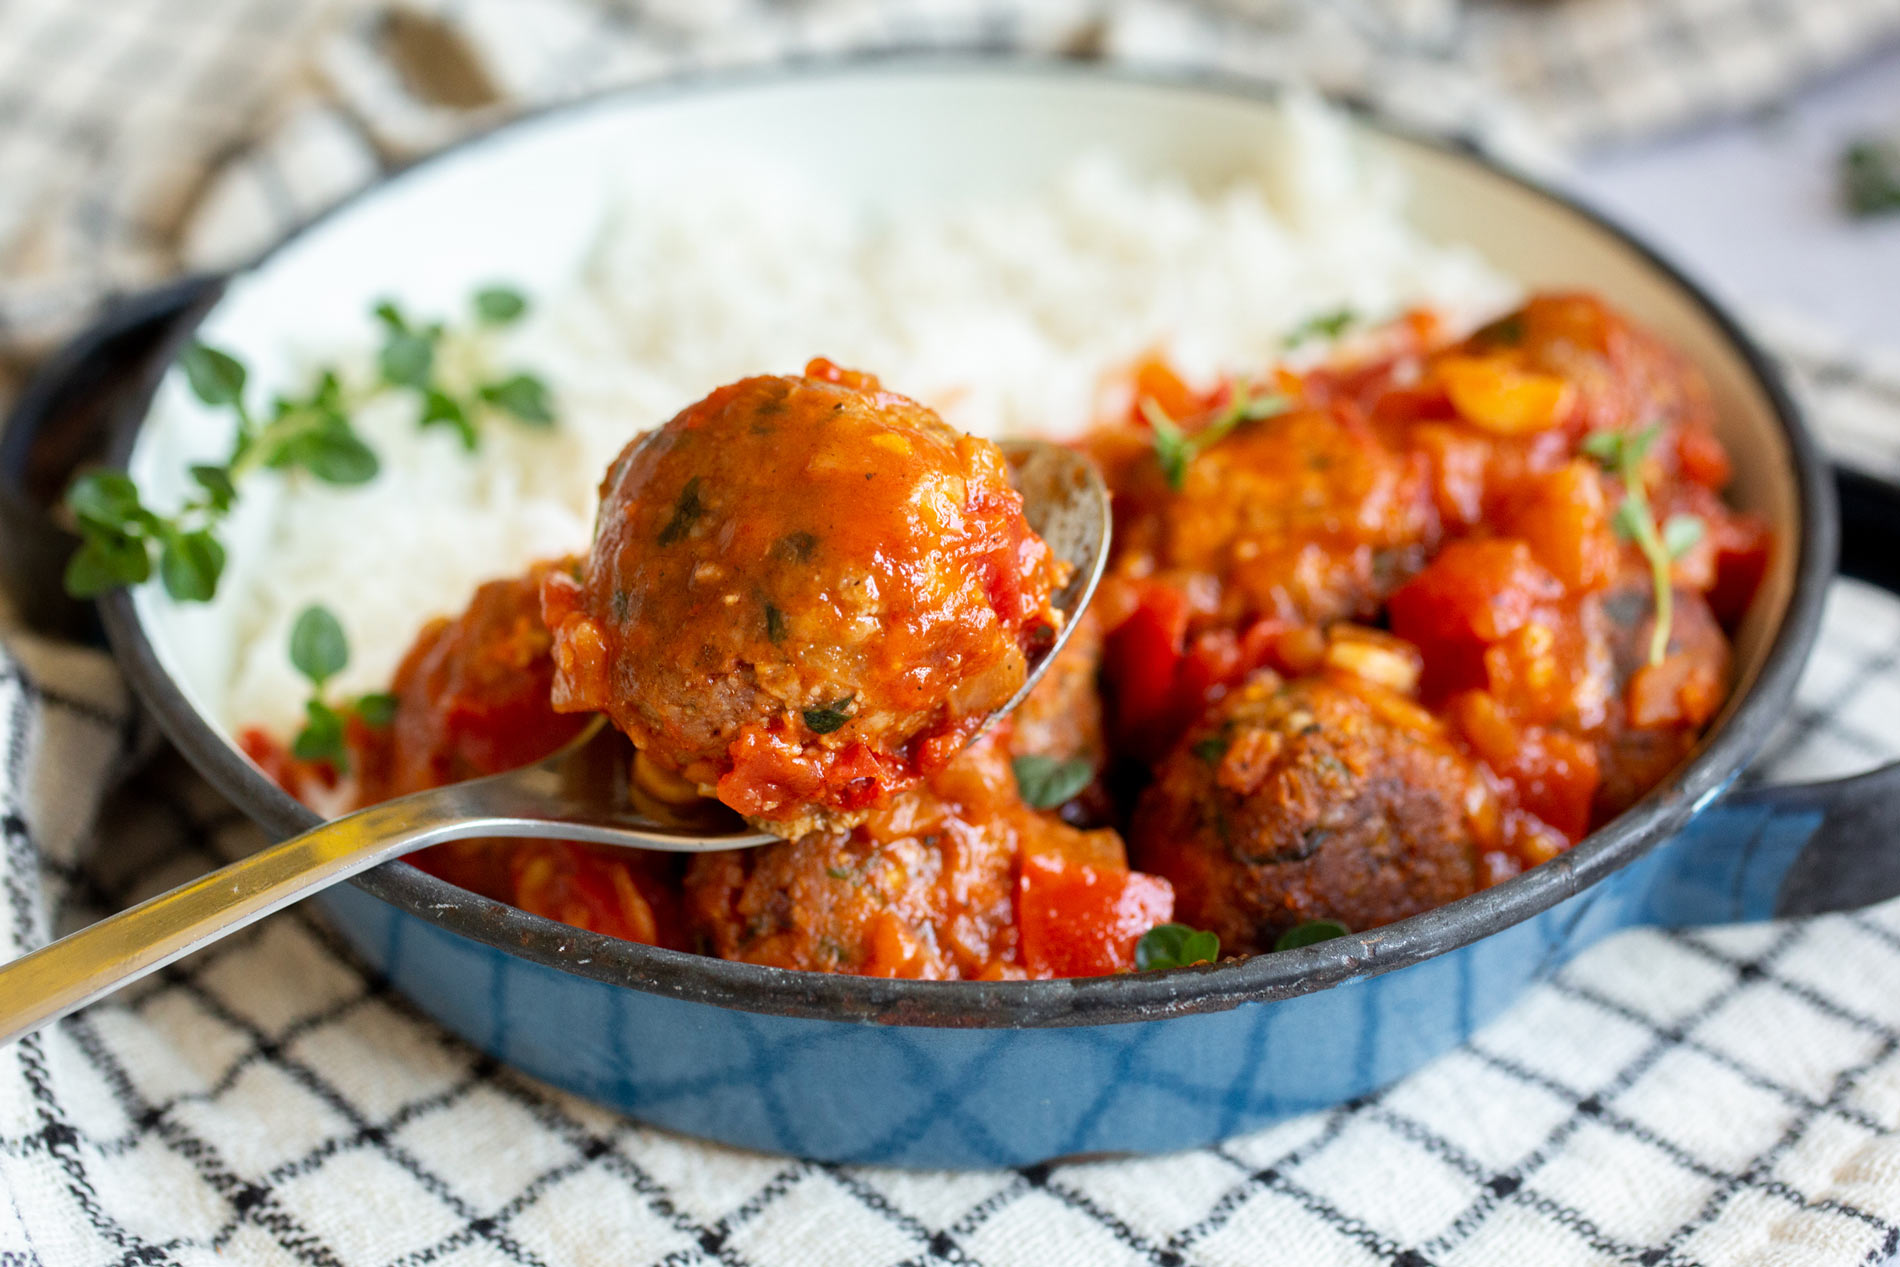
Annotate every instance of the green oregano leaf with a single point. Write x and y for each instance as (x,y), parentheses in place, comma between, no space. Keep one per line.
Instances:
(190,564)
(321,738)
(318,648)
(106,560)
(1323,325)
(1175,946)
(215,377)
(407,359)
(1312,932)
(499,305)
(377,709)
(829,717)
(522,396)
(687,511)
(1046,782)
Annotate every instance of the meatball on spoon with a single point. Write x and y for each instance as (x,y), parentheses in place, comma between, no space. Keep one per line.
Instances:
(580,793)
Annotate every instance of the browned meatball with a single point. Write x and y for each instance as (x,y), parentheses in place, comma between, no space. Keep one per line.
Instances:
(1312,799)
(803,594)
(1306,517)
(925,887)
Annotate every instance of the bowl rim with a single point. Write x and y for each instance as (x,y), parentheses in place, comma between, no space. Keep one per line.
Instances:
(1128,998)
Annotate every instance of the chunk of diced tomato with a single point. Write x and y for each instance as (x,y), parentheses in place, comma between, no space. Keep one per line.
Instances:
(1079,920)
(1742,545)
(1564,517)
(1473,594)
(1551,773)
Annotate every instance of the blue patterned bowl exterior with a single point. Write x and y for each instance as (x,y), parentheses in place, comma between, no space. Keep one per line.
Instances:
(965,1098)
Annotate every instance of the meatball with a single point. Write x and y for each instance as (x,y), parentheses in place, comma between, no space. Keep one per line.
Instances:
(1318,798)
(471,696)
(927,886)
(803,593)
(1308,517)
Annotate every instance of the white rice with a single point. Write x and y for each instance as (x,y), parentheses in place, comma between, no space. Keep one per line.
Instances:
(1014,317)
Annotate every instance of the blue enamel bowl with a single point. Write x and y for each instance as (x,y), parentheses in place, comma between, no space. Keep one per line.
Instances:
(961,1074)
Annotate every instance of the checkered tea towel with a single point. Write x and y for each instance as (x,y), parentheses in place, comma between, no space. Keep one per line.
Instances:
(1724,1097)
(1720,1097)
(136,135)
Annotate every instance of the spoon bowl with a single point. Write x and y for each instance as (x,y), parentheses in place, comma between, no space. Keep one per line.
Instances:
(579,793)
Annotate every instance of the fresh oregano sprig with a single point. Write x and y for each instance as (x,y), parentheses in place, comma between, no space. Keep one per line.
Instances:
(123,540)
(1176,448)
(411,359)
(1621,454)
(319,650)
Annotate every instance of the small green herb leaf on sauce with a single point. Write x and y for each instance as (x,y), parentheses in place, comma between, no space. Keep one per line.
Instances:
(318,647)
(1323,325)
(1176,448)
(1210,749)
(774,624)
(1175,946)
(1621,453)
(1870,177)
(499,305)
(1311,933)
(1507,331)
(829,717)
(687,511)
(377,709)
(321,738)
(1046,782)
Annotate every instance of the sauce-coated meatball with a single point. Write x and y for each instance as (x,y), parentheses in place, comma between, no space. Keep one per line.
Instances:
(1312,799)
(803,593)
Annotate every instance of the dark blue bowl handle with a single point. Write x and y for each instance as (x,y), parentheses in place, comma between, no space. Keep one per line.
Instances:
(64,419)
(1806,848)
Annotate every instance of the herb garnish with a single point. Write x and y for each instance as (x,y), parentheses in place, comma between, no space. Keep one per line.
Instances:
(319,650)
(121,538)
(829,717)
(687,511)
(1870,177)
(411,358)
(1211,749)
(1046,782)
(1175,946)
(1176,449)
(1311,933)
(1622,454)
(1322,325)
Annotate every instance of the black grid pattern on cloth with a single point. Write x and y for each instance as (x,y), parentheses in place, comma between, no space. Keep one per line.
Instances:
(250,1102)
(126,125)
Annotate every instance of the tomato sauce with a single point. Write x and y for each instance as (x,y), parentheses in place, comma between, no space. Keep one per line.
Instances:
(1374,636)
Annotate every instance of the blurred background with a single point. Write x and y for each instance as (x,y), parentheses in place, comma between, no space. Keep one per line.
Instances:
(1758,141)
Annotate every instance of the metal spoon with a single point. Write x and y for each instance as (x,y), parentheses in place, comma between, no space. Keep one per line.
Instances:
(579,793)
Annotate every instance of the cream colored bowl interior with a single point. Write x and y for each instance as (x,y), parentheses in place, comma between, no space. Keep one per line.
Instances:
(526,203)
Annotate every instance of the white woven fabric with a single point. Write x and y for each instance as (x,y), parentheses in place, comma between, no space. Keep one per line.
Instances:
(119,118)
(1724,1097)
